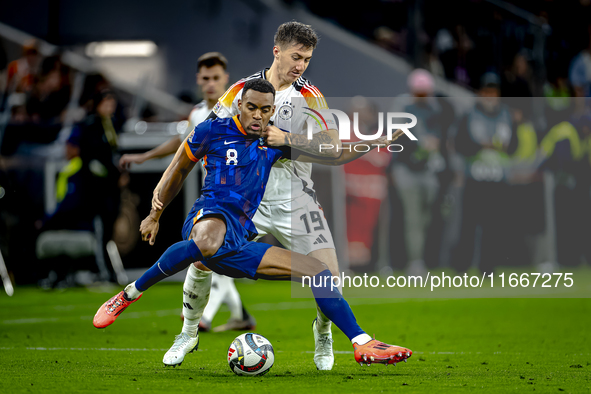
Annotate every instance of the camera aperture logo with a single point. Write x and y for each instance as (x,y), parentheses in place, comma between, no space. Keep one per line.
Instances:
(326,119)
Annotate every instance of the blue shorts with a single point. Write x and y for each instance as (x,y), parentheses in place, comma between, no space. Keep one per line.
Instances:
(237,257)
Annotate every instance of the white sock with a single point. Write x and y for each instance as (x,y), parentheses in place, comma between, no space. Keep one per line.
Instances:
(323,324)
(232,299)
(132,292)
(195,296)
(216,297)
(361,339)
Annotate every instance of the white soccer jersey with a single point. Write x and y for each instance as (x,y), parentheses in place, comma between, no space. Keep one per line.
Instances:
(288,180)
(198,114)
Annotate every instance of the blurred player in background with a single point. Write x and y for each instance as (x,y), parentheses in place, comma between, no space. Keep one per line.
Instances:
(290,194)
(212,79)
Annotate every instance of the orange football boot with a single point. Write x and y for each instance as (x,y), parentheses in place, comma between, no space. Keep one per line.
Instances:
(111,310)
(379,352)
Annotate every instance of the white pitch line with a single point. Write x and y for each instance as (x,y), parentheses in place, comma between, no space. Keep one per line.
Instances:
(31,320)
(279,306)
(110,349)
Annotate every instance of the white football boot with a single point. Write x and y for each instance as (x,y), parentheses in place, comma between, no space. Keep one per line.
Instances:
(183,344)
(323,355)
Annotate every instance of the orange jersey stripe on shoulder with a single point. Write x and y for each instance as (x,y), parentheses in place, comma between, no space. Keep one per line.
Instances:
(189,153)
(314,98)
(231,93)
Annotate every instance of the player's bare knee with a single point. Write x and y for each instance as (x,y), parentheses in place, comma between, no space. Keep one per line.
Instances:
(328,257)
(207,245)
(199,265)
(318,266)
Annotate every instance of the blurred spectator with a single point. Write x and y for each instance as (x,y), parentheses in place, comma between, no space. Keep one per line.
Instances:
(566,148)
(580,70)
(366,189)
(390,40)
(21,72)
(432,61)
(485,139)
(36,116)
(98,147)
(93,85)
(517,79)
(458,59)
(415,168)
(51,93)
(66,235)
(74,192)
(526,188)
(559,103)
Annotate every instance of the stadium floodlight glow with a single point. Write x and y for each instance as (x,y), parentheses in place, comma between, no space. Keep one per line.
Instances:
(121,49)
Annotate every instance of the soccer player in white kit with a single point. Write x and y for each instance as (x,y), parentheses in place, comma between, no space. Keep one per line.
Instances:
(212,79)
(289,193)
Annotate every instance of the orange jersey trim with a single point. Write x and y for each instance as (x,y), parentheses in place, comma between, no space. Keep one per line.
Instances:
(228,98)
(189,153)
(314,98)
(238,124)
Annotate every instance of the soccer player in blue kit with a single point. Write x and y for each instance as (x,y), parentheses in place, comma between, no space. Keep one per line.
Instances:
(218,230)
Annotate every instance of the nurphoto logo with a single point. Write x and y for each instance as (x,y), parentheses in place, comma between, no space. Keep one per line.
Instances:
(326,119)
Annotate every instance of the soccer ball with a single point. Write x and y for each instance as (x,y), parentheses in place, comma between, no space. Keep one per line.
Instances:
(250,355)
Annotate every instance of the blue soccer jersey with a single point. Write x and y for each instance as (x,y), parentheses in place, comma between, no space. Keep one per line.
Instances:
(237,167)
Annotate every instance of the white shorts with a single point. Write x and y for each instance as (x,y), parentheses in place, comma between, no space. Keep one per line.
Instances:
(300,224)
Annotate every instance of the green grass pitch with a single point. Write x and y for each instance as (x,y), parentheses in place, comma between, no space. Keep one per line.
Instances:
(48,344)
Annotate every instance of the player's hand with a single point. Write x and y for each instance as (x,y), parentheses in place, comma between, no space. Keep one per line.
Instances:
(274,136)
(157,205)
(126,160)
(149,229)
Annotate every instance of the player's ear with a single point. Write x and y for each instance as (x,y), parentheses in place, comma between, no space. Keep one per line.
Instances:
(276,51)
(239,105)
(227,76)
(273,110)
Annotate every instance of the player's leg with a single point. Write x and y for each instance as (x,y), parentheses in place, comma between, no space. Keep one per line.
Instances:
(239,319)
(279,264)
(328,257)
(195,296)
(226,293)
(205,239)
(216,298)
(223,290)
(303,228)
(321,326)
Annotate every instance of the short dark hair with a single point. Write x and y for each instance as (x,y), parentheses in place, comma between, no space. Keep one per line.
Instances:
(296,33)
(211,59)
(259,85)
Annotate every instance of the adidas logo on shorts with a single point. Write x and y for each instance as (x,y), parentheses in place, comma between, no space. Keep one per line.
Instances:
(320,240)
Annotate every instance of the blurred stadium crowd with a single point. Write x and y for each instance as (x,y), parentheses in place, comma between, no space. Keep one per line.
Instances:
(501,180)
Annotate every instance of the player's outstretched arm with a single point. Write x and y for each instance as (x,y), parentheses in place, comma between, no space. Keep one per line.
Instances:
(166,148)
(171,185)
(276,137)
(348,151)
(156,202)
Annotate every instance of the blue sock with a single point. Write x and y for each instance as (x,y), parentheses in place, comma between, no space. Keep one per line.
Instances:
(333,305)
(175,259)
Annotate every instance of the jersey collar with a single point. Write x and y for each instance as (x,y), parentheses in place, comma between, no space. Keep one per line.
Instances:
(238,124)
(294,83)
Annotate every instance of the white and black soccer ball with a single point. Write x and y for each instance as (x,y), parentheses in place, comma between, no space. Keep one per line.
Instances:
(251,355)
